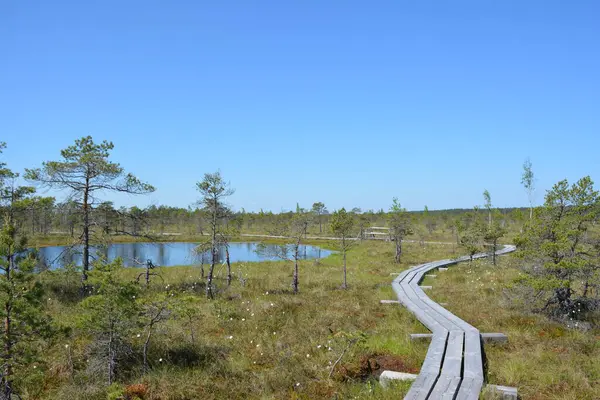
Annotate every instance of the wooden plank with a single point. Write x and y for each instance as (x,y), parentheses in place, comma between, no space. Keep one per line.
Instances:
(455,344)
(453,387)
(421,336)
(411,293)
(469,389)
(421,390)
(389,376)
(507,392)
(487,337)
(473,361)
(494,338)
(435,354)
(454,354)
(446,387)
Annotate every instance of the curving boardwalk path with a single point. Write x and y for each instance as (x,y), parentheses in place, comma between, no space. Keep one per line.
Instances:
(453,366)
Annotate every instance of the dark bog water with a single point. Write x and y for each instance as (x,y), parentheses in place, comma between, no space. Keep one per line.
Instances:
(167,254)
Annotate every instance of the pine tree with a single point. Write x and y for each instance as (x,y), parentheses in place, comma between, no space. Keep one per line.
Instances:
(400,226)
(84,171)
(214,190)
(109,316)
(561,250)
(23,319)
(342,224)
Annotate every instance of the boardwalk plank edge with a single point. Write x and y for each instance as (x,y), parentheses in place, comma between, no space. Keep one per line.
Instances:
(453,366)
(487,337)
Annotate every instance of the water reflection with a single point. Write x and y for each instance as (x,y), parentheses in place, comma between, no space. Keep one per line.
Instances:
(165,254)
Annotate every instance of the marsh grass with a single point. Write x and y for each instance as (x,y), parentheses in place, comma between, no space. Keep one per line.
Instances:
(258,340)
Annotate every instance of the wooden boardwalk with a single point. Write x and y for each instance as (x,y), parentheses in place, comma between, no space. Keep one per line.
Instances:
(453,366)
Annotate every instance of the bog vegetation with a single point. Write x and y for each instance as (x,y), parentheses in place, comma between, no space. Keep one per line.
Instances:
(290,328)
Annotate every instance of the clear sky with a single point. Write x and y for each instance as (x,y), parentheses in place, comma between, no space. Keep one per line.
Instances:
(346,102)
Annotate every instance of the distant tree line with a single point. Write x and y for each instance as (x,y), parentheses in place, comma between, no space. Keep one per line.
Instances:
(41,216)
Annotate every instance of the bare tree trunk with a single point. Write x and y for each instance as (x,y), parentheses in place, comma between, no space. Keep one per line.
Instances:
(202,265)
(345,285)
(228,265)
(86,234)
(296,256)
(295,281)
(209,291)
(398,250)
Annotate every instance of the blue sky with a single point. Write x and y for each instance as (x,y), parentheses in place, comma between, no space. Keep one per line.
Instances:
(346,102)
